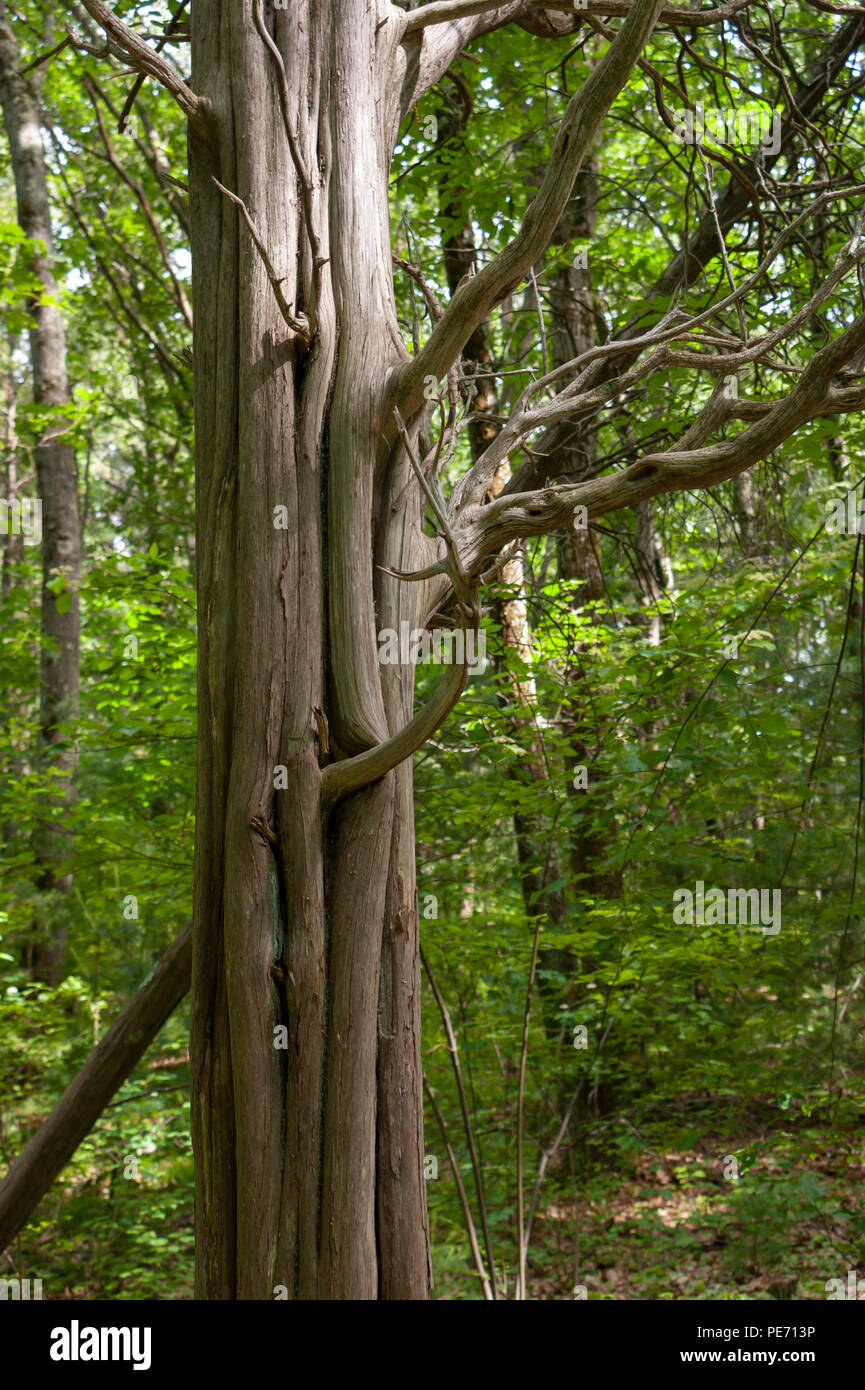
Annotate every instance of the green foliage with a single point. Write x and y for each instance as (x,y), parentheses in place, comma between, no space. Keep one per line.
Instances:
(705,1043)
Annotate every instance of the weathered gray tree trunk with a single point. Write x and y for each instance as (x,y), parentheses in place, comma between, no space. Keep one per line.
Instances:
(310,1159)
(58,494)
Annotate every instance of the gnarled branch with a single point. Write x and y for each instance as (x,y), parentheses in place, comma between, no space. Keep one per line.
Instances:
(480,531)
(148,61)
(472,303)
(350,775)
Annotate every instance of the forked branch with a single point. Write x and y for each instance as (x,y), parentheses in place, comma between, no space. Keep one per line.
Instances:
(298,323)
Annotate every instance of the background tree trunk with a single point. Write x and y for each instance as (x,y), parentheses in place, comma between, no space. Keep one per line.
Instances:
(58,493)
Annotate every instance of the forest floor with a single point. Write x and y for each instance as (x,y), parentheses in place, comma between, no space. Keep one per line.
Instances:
(641,1219)
(676,1228)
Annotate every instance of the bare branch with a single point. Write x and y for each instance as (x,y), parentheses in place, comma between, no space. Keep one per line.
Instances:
(148,61)
(445,11)
(472,303)
(701,247)
(482,531)
(298,323)
(433,302)
(568,405)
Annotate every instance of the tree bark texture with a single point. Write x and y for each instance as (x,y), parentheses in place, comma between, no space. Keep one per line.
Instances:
(309,1159)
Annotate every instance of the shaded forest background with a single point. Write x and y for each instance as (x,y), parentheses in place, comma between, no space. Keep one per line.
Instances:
(681,1105)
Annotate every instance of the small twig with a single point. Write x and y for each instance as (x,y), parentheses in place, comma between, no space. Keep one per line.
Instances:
(431,462)
(46,57)
(415,576)
(464,1201)
(261,827)
(433,302)
(298,323)
(467,1124)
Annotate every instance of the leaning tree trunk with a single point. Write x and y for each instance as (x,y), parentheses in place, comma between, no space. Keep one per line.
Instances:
(309,1157)
(58,496)
(73,1116)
